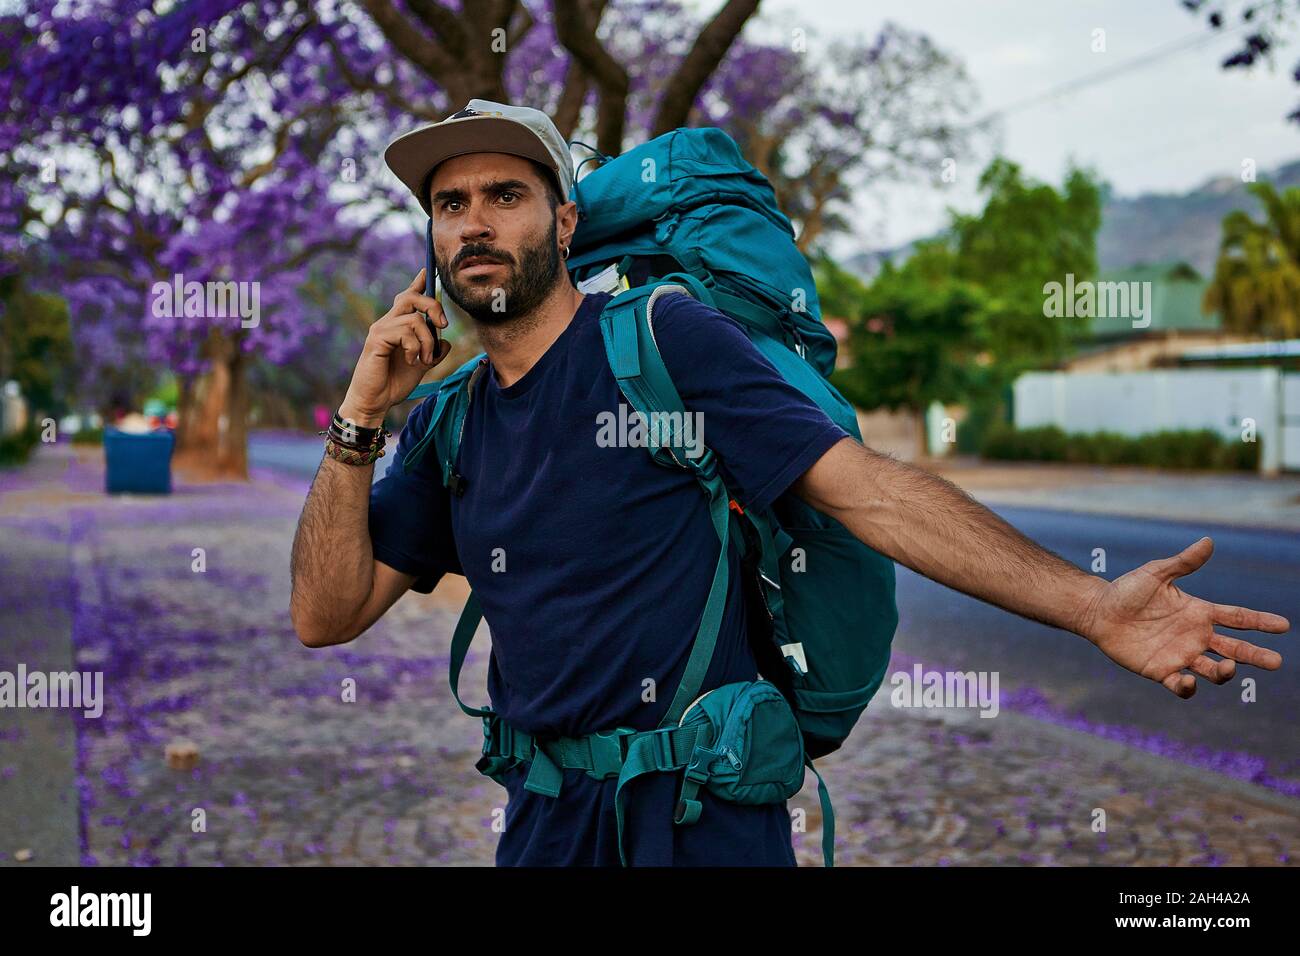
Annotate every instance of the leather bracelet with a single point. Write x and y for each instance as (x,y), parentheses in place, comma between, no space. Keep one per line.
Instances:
(348,433)
(353,456)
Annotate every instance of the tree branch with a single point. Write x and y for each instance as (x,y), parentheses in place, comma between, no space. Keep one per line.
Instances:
(522,26)
(569,110)
(699,64)
(575,28)
(422,51)
(389,92)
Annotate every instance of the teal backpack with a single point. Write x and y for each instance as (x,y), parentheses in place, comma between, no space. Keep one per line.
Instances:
(685,213)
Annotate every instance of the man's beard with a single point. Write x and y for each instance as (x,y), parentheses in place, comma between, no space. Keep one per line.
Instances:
(529,282)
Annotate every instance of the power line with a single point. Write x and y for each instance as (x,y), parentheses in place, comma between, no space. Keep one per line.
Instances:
(1153,55)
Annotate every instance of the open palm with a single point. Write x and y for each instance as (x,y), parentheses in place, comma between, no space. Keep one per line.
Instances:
(1145,623)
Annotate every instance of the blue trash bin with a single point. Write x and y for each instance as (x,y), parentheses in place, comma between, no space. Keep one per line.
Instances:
(138,463)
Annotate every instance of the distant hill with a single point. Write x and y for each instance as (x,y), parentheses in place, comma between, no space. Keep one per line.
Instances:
(1173,227)
(866,264)
(1152,227)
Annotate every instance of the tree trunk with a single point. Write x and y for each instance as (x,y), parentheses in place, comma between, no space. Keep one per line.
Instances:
(215,437)
(185,408)
(233,456)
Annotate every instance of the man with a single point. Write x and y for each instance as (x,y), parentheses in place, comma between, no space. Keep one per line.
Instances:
(590,562)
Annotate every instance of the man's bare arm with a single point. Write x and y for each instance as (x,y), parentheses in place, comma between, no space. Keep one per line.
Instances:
(339,589)
(936,529)
(1141,620)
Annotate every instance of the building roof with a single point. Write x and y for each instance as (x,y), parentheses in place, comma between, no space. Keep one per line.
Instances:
(1176,295)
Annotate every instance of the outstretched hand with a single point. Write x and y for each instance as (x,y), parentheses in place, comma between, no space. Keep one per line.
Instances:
(1143,622)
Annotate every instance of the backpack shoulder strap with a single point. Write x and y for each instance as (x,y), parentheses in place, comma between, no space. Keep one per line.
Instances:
(627,326)
(626,323)
(451,398)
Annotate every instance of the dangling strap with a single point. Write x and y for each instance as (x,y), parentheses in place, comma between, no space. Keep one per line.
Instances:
(828,817)
(658,750)
(543,776)
(697,774)
(460,642)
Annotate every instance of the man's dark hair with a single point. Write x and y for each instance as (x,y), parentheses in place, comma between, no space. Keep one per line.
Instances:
(552,187)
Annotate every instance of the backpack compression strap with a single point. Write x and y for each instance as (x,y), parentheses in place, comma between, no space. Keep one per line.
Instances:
(626,325)
(828,817)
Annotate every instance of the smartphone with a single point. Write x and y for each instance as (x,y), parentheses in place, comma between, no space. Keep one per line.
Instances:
(433,287)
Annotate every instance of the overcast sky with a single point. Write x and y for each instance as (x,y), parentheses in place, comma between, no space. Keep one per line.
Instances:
(1165,126)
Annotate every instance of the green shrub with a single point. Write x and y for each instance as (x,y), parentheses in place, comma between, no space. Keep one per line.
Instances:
(89,436)
(1181,449)
(15,449)
(1240,455)
(1029,444)
(1100,448)
(1186,449)
(982,415)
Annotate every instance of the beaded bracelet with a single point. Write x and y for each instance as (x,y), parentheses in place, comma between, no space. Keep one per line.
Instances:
(353,456)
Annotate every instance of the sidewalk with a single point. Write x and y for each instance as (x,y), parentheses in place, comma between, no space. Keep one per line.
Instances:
(1232,498)
(291,771)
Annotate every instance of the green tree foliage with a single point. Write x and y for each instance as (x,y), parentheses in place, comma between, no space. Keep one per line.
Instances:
(36,346)
(839,291)
(1028,234)
(1256,283)
(964,315)
(916,338)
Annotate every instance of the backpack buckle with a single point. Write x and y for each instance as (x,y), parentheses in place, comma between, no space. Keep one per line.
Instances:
(499,737)
(489,731)
(700,766)
(608,751)
(705,466)
(663,748)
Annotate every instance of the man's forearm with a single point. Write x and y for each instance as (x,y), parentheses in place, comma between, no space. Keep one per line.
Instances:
(332,564)
(936,529)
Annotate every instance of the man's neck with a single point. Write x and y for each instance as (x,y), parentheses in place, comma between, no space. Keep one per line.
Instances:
(514,347)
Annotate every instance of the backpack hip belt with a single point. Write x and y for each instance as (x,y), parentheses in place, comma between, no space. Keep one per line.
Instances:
(624,753)
(603,754)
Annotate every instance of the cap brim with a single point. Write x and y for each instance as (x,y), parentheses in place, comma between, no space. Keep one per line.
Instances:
(413,156)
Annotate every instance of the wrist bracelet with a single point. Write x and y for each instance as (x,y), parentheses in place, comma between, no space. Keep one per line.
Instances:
(353,456)
(348,433)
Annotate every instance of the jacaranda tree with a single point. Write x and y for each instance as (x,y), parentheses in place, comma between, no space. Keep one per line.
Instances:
(177,169)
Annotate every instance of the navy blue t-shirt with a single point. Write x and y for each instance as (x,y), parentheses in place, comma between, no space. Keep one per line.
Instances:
(592,565)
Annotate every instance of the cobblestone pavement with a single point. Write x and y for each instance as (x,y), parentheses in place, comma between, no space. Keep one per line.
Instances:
(358,754)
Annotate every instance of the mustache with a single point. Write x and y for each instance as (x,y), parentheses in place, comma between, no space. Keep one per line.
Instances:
(482,249)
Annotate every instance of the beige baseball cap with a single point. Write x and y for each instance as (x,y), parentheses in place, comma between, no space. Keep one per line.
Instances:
(481,127)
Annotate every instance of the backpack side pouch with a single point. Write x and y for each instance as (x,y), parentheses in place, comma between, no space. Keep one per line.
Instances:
(751,753)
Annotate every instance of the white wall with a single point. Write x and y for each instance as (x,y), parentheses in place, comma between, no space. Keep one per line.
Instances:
(1133,403)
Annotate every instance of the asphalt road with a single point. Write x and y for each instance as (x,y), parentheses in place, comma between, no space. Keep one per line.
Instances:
(1066,675)
(297,455)
(1254,568)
